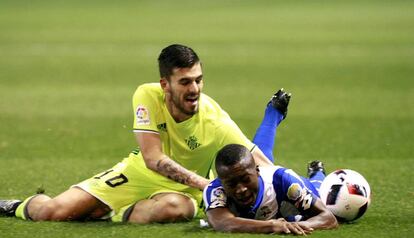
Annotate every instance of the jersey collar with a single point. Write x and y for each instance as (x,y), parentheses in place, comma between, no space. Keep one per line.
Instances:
(259,196)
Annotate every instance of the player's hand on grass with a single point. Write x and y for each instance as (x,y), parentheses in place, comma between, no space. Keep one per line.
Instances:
(299,229)
(305,227)
(282,226)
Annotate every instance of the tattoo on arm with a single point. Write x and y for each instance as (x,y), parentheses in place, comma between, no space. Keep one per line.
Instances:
(174,171)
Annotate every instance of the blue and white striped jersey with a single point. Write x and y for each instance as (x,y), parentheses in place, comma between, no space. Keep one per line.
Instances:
(281,193)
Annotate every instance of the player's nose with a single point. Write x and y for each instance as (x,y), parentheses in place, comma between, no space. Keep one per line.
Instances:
(194,87)
(240,189)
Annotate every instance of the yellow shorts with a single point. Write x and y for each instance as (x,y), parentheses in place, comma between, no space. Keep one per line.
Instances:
(130,181)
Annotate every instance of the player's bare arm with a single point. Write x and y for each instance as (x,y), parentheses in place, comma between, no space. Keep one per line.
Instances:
(156,160)
(320,217)
(221,219)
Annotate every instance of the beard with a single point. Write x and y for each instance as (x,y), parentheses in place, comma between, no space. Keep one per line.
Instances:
(180,104)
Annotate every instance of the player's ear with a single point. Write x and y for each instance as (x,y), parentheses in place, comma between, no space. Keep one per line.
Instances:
(257,170)
(165,85)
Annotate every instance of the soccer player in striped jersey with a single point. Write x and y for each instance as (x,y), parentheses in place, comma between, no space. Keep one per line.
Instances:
(250,198)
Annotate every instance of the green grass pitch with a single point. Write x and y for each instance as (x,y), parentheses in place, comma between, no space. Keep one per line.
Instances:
(68,70)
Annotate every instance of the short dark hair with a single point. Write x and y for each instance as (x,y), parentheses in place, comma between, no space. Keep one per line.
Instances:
(231,154)
(176,56)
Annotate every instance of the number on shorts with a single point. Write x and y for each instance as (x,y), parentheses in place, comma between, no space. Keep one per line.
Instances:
(114,181)
(117,180)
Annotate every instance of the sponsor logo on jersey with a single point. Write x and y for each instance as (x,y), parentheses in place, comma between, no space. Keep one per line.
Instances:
(307,202)
(264,212)
(192,142)
(162,127)
(135,151)
(142,115)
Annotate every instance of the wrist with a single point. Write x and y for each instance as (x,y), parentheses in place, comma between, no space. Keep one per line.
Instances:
(203,183)
(274,226)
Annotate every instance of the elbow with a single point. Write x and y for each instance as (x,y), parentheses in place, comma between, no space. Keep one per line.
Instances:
(331,222)
(335,224)
(324,221)
(150,163)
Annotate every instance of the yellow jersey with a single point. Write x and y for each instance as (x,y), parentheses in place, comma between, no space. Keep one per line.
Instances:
(192,143)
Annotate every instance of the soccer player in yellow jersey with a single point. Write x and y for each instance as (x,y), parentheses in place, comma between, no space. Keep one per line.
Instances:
(178,130)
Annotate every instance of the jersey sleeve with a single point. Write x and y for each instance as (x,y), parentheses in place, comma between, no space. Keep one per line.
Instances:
(145,108)
(294,190)
(214,195)
(229,133)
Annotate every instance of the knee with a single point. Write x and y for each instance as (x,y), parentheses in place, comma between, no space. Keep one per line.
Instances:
(50,211)
(169,208)
(174,209)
